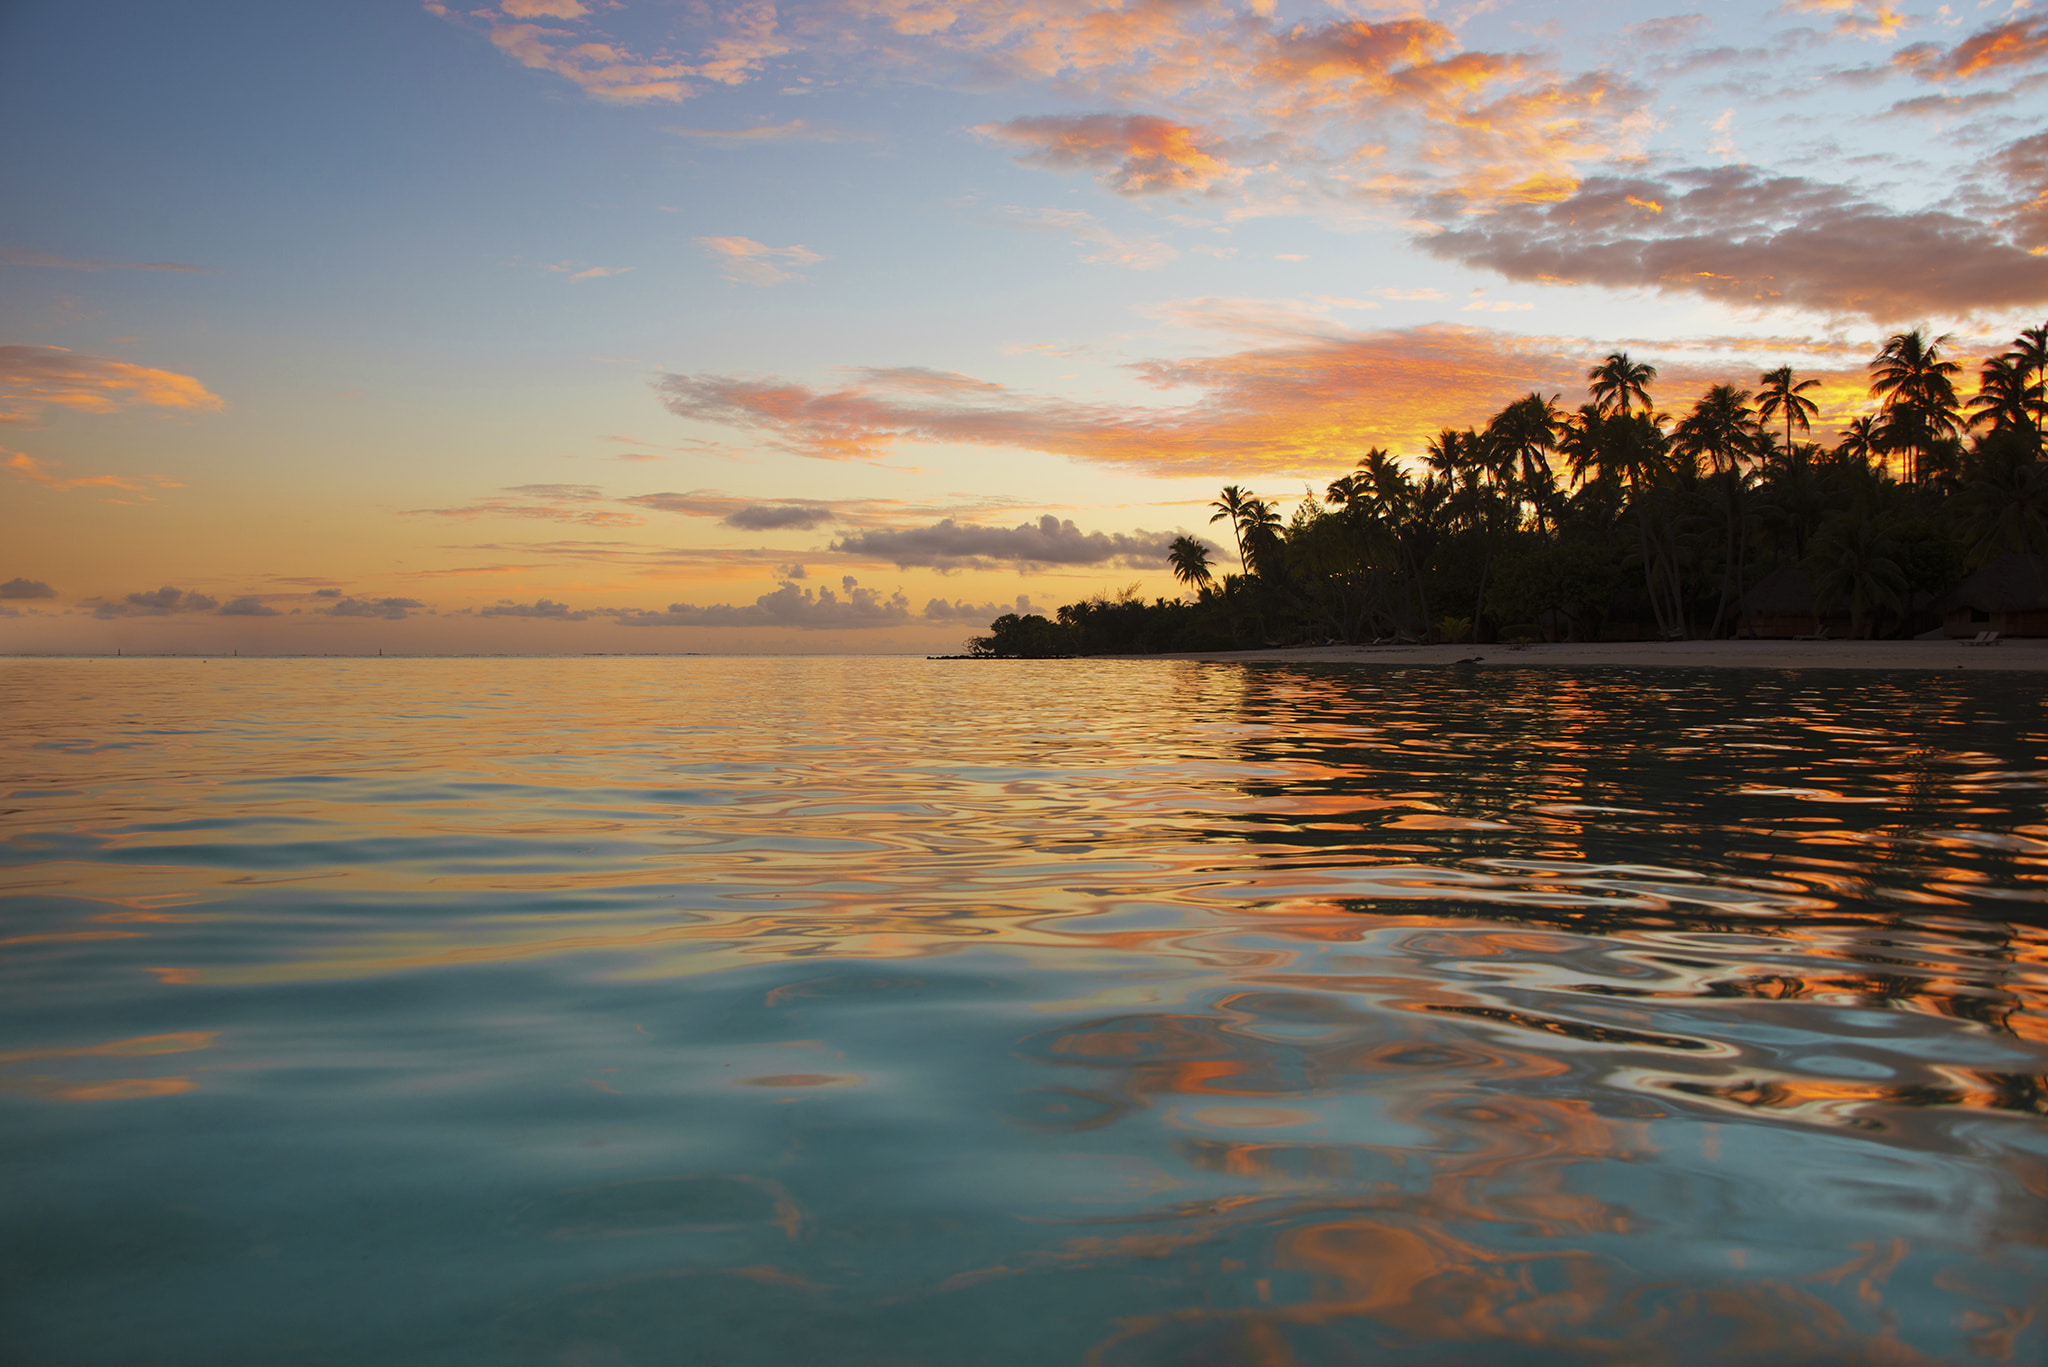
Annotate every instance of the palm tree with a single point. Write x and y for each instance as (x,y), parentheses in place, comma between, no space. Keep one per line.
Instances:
(1519,435)
(2030,354)
(1863,439)
(1723,428)
(2003,399)
(1912,379)
(1236,499)
(1190,561)
(1780,393)
(1617,380)
(2004,506)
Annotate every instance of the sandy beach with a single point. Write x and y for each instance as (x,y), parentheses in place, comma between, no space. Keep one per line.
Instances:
(2020,655)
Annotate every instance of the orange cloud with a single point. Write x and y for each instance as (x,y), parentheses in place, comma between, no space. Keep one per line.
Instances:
(2021,42)
(26,467)
(33,378)
(1301,407)
(574,503)
(1149,154)
(1305,406)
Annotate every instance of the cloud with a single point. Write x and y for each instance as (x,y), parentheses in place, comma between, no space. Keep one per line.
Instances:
(574,503)
(1305,402)
(950,545)
(960,610)
(1301,404)
(747,262)
(27,467)
(1084,229)
(26,588)
(2024,167)
(33,378)
(248,605)
(1741,236)
(15,256)
(390,609)
(766,517)
(1144,154)
(603,71)
(2020,42)
(577,271)
(544,9)
(795,130)
(790,605)
(1669,31)
(161,602)
(544,607)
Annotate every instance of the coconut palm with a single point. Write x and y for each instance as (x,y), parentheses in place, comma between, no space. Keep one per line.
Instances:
(1190,561)
(1519,436)
(1617,380)
(2030,354)
(1722,428)
(2004,398)
(1780,394)
(1863,439)
(1912,380)
(1235,500)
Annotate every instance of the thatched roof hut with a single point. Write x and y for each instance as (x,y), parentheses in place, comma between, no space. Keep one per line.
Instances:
(2009,595)
(1781,606)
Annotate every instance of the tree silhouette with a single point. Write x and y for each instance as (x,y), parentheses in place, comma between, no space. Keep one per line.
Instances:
(1235,500)
(1190,561)
(1780,394)
(1617,380)
(1913,380)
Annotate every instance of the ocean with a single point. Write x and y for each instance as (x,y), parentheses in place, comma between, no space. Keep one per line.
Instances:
(1109,1012)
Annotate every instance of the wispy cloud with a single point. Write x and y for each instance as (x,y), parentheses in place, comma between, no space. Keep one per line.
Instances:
(24,466)
(576,270)
(792,130)
(576,503)
(1301,405)
(34,378)
(744,261)
(1109,248)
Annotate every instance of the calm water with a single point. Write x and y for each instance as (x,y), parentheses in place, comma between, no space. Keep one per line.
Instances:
(707,1011)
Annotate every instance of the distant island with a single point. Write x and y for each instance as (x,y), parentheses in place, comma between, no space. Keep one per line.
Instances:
(1616,522)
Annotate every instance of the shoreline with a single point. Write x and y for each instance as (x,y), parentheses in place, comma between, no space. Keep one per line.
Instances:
(2014,656)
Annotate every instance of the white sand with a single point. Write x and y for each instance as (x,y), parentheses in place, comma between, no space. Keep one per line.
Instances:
(2029,654)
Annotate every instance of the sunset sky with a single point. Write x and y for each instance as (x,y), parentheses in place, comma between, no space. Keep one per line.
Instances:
(664,326)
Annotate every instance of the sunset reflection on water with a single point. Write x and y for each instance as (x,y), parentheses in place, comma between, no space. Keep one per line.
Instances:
(1091,1011)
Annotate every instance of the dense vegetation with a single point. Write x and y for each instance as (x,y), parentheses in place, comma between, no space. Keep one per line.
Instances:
(1617,520)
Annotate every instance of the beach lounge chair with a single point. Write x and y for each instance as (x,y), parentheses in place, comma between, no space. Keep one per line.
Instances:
(1820,634)
(1983,638)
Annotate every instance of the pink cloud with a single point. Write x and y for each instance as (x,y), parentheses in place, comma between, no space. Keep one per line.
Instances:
(23,466)
(744,261)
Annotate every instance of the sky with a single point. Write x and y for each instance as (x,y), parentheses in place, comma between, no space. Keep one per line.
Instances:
(662,326)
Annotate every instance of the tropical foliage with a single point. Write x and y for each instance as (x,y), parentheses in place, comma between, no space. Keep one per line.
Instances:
(1617,520)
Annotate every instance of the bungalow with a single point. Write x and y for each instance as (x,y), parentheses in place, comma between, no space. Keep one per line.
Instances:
(2009,596)
(1781,606)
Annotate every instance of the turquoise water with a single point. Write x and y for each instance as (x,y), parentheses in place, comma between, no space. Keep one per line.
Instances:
(897,1012)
